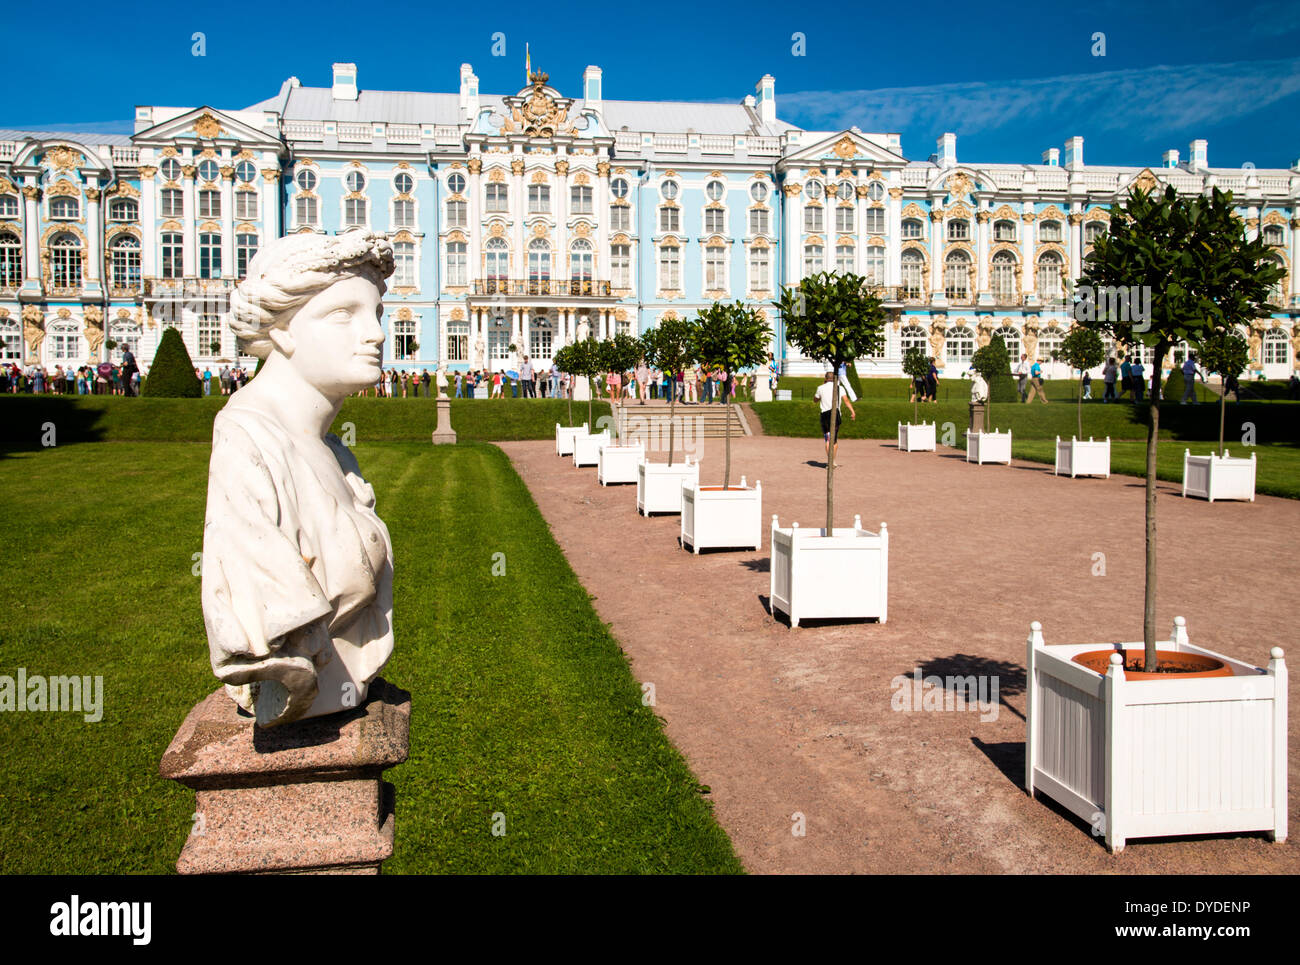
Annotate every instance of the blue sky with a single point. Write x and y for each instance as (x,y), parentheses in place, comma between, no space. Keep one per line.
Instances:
(1010,81)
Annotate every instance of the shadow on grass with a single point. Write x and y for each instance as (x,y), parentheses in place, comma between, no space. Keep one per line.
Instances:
(32,423)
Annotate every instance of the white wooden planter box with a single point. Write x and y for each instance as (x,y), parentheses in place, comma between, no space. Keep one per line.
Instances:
(659,485)
(564,438)
(1154,758)
(916,438)
(586,449)
(1213,478)
(617,464)
(1078,458)
(713,518)
(982,447)
(843,576)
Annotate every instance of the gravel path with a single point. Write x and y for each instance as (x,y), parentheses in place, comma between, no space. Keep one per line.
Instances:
(781,722)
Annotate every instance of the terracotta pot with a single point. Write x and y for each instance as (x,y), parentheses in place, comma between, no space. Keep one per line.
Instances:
(1183,665)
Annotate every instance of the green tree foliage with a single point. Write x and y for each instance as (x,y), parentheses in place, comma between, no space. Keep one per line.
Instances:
(585,359)
(1081,349)
(993,362)
(562,360)
(1191,256)
(171,376)
(670,347)
(730,337)
(833,318)
(916,364)
(1227,355)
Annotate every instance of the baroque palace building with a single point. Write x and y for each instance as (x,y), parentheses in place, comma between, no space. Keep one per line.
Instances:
(517,219)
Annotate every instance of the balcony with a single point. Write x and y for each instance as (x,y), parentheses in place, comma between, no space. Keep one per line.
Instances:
(557,287)
(187,287)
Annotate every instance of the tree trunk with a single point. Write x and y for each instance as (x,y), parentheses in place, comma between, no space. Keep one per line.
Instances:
(571,410)
(1153,436)
(672,418)
(830,452)
(591,410)
(1078,394)
(1223,405)
(726,472)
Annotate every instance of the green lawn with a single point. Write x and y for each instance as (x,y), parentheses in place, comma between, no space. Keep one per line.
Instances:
(950,390)
(522,701)
(1277,466)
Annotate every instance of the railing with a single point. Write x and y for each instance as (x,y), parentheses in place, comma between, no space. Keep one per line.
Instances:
(304,130)
(1053,179)
(1186,183)
(671,143)
(184,287)
(355,133)
(126,155)
(1008,179)
(1275,184)
(1100,181)
(915,177)
(403,133)
(7,150)
(540,286)
(446,134)
(717,144)
(765,145)
(627,141)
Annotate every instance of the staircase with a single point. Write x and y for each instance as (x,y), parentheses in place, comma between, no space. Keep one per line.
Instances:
(648,424)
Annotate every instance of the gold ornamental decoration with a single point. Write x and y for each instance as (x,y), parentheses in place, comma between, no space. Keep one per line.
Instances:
(960,185)
(539,115)
(1145,181)
(64,158)
(602,169)
(845,149)
(33,328)
(517,166)
(474,164)
(581,178)
(457,315)
(207,126)
(561,168)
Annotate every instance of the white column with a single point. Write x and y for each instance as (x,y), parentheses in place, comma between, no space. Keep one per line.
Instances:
(600,211)
(793,226)
(860,234)
(524,330)
(982,252)
(228,223)
(1028,275)
(94,239)
(148,223)
(938,231)
(31,230)
(894,251)
(1076,246)
(474,219)
(1295,255)
(190,222)
(561,208)
(519,205)
(270,202)
(1252,223)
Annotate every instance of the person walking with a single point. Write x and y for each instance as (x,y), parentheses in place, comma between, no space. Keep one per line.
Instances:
(1125,377)
(643,380)
(1138,373)
(1036,383)
(689,378)
(825,396)
(526,376)
(1022,376)
(130,371)
(1087,385)
(1190,372)
(1108,375)
(931,383)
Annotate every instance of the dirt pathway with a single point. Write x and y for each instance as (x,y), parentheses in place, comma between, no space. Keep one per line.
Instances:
(782,723)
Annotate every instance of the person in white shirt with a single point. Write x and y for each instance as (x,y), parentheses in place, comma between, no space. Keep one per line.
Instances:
(825,396)
(1022,375)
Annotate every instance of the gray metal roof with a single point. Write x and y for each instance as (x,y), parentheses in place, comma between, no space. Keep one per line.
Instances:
(89,140)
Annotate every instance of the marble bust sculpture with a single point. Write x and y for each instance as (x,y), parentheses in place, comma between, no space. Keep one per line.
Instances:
(297,566)
(442,380)
(979,389)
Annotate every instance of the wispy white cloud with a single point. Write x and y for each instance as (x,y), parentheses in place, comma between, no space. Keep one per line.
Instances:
(1153,100)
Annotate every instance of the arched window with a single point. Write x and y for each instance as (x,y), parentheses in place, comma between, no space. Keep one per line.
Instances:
(913,268)
(1049,342)
(814,259)
(1004,231)
(1276,350)
(959,230)
(539,266)
(956,275)
(540,337)
(814,221)
(844,259)
(959,346)
(1010,338)
(457,269)
(1274,235)
(123,209)
(1049,231)
(913,229)
(209,255)
(124,263)
(404,265)
(1003,280)
(245,249)
(913,336)
(11,340)
(496,264)
(173,258)
(715,268)
(11,261)
(1049,281)
(65,342)
(1092,231)
(65,262)
(582,260)
(65,209)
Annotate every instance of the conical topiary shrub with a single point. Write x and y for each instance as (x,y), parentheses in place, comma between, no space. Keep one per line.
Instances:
(172,375)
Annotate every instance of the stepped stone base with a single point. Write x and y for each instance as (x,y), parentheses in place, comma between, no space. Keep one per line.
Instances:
(303,798)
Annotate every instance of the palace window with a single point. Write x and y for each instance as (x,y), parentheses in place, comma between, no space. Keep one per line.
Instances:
(580,199)
(403,214)
(913,229)
(404,264)
(498,339)
(760,270)
(173,257)
(670,268)
(1275,350)
(668,190)
(65,342)
(8,206)
(65,262)
(669,219)
(1274,235)
(1278,295)
(245,171)
(127,337)
(618,188)
(120,209)
(457,214)
(209,334)
(171,203)
(620,266)
(1011,339)
(1092,231)
(844,259)
(65,209)
(845,191)
(758,191)
(540,338)
(1004,231)
(124,260)
(458,341)
(875,191)
(305,210)
(714,190)
(814,258)
(306,179)
(246,205)
(208,169)
(715,221)
(956,276)
(354,212)
(1003,280)
(403,183)
(209,204)
(11,261)
(539,199)
(11,340)
(498,197)
(496,262)
(844,218)
(1049,342)
(875,221)
(171,169)
(245,249)
(759,221)
(814,221)
(403,339)
(1049,276)
(209,255)
(959,346)
(620,217)
(356,181)
(456,183)
(959,230)
(1049,231)
(456,264)
(913,273)
(813,189)
(876,265)
(581,267)
(913,336)
(539,266)
(715,268)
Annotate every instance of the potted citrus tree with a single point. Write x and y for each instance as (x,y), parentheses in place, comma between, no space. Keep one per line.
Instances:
(564,435)
(831,572)
(727,338)
(1163,737)
(993,363)
(586,359)
(616,461)
(669,347)
(1081,349)
(1221,476)
(916,435)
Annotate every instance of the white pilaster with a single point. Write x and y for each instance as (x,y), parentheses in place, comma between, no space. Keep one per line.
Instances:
(228,224)
(94,240)
(189,222)
(148,224)
(31,230)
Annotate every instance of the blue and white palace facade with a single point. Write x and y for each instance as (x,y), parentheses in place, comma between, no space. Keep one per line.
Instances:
(518,218)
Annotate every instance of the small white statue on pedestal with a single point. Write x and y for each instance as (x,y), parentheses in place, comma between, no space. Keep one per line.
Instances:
(442,380)
(979,389)
(297,567)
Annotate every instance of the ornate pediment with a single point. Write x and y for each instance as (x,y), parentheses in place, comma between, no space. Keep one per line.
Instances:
(1145,181)
(538,110)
